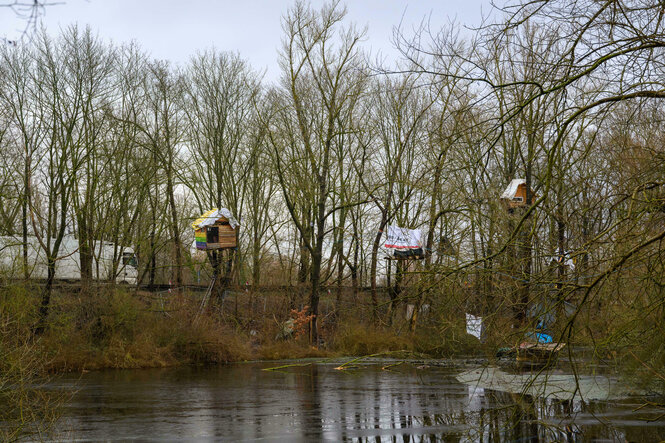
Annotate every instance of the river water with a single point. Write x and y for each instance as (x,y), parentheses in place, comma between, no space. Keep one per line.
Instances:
(316,402)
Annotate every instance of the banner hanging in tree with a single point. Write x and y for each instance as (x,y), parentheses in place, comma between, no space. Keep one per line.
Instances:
(403,238)
(474,325)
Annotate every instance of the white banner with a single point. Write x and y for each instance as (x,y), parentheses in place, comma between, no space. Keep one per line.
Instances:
(403,238)
(474,325)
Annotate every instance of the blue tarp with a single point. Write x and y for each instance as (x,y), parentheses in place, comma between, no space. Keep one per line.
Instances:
(539,337)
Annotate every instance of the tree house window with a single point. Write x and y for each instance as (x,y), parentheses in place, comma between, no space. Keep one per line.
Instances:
(212,234)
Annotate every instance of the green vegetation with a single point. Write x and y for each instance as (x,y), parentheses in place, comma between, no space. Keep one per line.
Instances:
(118,328)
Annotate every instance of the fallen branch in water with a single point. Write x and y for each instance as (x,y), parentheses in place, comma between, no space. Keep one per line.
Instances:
(387,367)
(652,370)
(295,365)
(346,365)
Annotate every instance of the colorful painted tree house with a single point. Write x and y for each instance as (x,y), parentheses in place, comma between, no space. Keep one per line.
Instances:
(216,229)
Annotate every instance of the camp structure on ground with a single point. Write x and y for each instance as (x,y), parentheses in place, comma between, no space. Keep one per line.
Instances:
(515,194)
(215,229)
(538,354)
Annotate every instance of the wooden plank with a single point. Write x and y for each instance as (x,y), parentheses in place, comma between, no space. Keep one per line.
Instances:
(547,347)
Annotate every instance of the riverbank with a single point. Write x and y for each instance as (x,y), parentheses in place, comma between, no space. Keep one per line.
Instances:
(120,328)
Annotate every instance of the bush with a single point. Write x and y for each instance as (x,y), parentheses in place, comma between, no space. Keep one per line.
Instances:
(26,408)
(366,340)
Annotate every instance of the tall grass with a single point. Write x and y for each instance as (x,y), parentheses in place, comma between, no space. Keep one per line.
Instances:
(27,408)
(115,327)
(120,329)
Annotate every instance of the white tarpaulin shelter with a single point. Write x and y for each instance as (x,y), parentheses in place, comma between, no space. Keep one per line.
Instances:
(210,217)
(403,238)
(511,190)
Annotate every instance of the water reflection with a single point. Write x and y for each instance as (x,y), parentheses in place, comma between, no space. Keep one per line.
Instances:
(318,403)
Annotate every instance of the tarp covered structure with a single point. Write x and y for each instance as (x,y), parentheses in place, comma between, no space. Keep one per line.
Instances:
(403,238)
(215,229)
(210,217)
(511,190)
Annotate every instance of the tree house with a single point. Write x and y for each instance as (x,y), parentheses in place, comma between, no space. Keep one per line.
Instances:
(515,194)
(215,229)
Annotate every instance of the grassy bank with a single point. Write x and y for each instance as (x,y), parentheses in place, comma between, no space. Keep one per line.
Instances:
(122,328)
(118,327)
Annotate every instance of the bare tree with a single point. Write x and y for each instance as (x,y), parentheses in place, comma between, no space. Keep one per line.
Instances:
(30,13)
(399,115)
(225,140)
(162,123)
(321,82)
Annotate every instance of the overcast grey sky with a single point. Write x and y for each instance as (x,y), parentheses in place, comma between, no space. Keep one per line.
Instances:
(176,29)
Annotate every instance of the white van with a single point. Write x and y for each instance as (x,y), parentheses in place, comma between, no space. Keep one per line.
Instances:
(68,264)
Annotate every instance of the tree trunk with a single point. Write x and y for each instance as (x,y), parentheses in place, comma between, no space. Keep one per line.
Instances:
(219,284)
(525,258)
(175,233)
(153,257)
(354,268)
(340,276)
(256,257)
(85,254)
(46,297)
(24,222)
(396,290)
(314,295)
(373,266)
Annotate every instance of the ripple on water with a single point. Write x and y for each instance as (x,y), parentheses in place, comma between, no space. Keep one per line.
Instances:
(242,402)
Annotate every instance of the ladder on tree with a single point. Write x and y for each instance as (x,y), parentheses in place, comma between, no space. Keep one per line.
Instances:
(206,297)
